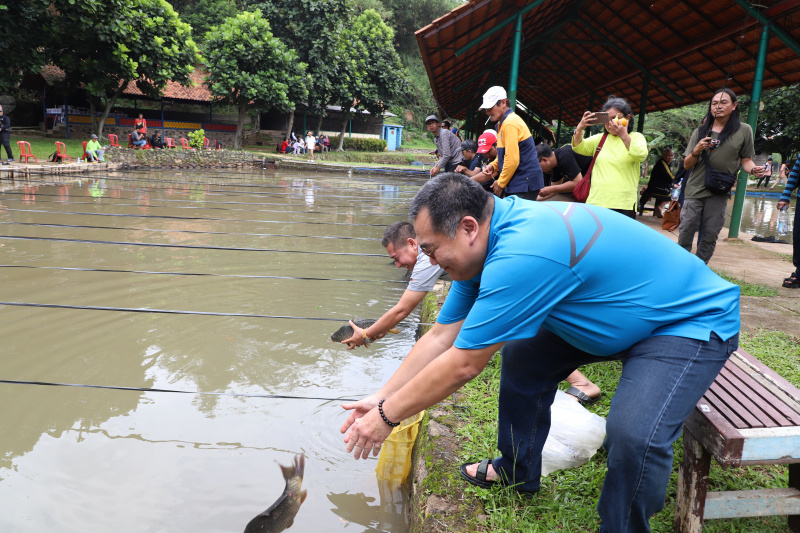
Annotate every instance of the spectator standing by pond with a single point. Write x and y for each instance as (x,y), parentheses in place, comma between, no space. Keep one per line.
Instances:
(767,174)
(517,165)
(140,125)
(448,146)
(5,134)
(725,143)
(311,143)
(782,174)
(615,175)
(793,281)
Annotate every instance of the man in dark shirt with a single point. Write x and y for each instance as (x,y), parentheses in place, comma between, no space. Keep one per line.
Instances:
(472,162)
(5,134)
(565,167)
(661,184)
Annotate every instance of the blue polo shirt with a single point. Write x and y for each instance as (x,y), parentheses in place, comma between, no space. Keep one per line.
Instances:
(590,275)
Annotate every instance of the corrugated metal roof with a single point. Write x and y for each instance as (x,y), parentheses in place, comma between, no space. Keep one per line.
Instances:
(575,53)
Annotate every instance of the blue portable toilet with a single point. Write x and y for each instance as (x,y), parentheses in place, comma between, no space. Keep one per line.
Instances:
(393,135)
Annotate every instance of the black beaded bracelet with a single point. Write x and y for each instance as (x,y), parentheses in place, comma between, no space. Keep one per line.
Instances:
(380,410)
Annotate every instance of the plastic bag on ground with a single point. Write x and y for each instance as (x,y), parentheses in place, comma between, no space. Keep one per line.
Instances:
(575,435)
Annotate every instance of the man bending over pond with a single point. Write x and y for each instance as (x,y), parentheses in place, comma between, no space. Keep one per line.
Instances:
(559,285)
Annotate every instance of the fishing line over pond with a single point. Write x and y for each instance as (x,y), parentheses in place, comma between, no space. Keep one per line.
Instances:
(172,303)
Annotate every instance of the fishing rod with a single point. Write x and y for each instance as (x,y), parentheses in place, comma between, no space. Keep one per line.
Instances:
(245,276)
(78,226)
(190,246)
(178,217)
(182,312)
(150,389)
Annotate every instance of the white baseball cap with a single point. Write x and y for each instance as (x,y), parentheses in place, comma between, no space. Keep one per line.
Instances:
(491,96)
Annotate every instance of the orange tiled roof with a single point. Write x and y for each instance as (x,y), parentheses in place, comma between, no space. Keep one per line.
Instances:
(198,93)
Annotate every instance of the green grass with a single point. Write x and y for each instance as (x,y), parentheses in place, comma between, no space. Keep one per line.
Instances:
(42,147)
(748,289)
(568,498)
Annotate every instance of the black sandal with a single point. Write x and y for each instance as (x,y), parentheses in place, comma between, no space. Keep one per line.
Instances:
(479,479)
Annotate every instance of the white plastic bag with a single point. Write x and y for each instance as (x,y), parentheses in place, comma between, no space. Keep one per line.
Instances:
(575,435)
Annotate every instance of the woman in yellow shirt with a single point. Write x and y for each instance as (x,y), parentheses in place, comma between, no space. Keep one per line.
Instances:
(615,175)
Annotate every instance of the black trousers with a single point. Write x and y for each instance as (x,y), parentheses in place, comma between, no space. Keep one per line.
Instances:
(5,140)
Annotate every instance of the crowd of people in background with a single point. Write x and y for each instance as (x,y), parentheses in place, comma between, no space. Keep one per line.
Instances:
(299,145)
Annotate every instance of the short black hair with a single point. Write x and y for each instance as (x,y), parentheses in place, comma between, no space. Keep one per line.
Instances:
(543,150)
(398,233)
(470,145)
(447,123)
(449,197)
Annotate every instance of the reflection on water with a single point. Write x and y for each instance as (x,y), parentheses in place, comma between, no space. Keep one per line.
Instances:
(761,217)
(78,459)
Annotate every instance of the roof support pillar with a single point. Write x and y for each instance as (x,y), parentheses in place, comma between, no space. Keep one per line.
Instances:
(163,134)
(643,103)
(514,76)
(752,119)
(558,131)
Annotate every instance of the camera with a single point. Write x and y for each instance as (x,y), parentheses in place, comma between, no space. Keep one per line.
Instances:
(713,143)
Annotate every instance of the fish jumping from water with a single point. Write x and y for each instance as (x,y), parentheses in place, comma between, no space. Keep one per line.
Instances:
(346,331)
(280,515)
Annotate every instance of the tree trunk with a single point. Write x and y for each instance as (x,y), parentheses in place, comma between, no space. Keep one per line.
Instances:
(319,123)
(291,125)
(109,103)
(237,144)
(341,133)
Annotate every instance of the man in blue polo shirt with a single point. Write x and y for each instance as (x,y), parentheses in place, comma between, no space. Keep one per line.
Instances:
(560,285)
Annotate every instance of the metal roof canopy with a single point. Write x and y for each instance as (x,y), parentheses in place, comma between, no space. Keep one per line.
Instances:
(574,53)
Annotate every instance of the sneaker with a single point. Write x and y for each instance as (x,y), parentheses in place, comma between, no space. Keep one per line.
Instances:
(11,160)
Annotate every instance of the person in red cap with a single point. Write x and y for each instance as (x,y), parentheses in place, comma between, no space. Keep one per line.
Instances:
(517,165)
(487,150)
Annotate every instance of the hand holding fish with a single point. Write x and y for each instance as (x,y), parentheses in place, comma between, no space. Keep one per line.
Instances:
(358,338)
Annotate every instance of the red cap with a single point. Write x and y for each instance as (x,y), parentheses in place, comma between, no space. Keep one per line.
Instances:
(485,142)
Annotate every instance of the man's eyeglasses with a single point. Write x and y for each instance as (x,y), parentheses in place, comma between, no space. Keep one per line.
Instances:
(429,252)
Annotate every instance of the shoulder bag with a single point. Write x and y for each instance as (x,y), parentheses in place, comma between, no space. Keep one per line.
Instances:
(717,181)
(581,191)
(672,216)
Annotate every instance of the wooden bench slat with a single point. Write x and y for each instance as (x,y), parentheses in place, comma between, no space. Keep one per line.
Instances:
(752,401)
(713,400)
(762,502)
(778,410)
(733,404)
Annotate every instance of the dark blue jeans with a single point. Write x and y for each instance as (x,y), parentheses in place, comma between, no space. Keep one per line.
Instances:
(663,378)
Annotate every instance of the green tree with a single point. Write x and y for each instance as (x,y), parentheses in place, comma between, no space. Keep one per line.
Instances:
(247,65)
(203,15)
(371,75)
(408,16)
(105,46)
(313,28)
(26,27)
(778,125)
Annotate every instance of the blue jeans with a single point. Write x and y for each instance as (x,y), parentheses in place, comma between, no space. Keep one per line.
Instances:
(663,378)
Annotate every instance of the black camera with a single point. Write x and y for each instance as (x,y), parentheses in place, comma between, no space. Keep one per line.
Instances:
(713,143)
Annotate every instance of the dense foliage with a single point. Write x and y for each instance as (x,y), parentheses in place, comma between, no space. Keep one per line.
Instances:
(247,65)
(360,144)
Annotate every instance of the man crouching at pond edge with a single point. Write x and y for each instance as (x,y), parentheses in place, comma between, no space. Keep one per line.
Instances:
(557,286)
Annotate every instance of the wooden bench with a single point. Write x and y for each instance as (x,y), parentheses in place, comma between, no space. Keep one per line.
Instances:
(749,416)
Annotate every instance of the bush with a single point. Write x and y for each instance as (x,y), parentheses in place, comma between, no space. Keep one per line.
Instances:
(360,144)
(196,138)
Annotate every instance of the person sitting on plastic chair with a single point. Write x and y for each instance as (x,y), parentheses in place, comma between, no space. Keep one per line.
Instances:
(137,141)
(94,152)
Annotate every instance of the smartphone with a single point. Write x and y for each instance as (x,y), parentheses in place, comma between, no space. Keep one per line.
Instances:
(600,117)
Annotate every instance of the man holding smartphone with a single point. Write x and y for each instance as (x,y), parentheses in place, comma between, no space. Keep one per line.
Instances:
(517,163)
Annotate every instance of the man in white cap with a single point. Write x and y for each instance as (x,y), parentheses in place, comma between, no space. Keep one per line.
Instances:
(94,152)
(517,165)
(448,146)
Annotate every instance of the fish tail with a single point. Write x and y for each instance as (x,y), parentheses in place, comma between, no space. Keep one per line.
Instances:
(394,330)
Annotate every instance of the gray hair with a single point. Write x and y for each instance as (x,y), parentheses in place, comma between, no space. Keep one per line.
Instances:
(622,105)
(449,197)
(398,233)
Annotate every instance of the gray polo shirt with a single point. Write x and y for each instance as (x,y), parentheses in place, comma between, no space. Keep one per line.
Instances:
(425,275)
(449,147)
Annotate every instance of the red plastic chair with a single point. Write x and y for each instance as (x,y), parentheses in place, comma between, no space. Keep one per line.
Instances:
(114,140)
(25,151)
(170,142)
(61,152)
(185,144)
(206,144)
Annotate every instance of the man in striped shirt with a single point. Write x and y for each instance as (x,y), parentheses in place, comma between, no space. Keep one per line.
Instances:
(793,281)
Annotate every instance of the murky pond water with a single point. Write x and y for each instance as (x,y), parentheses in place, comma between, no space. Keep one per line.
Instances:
(240,264)
(760,217)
